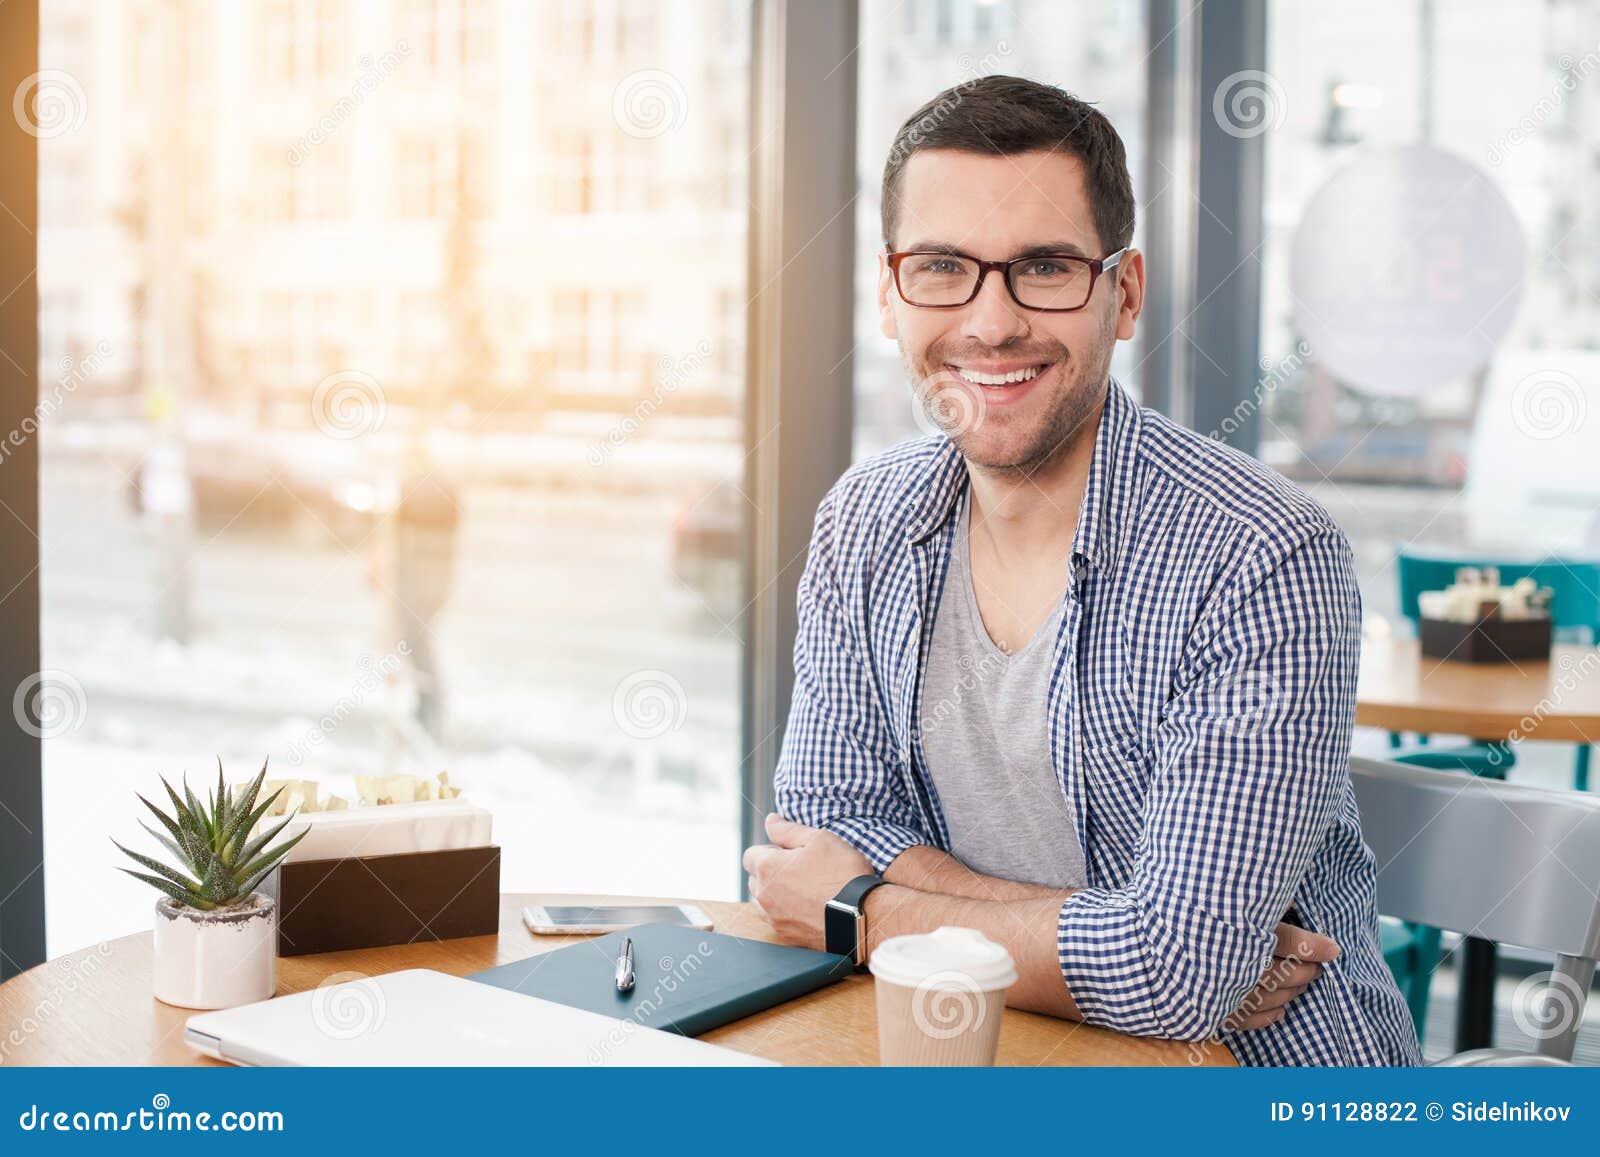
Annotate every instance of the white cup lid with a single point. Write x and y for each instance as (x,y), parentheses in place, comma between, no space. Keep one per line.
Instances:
(945,958)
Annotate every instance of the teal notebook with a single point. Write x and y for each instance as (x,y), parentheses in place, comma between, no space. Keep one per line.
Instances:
(685,980)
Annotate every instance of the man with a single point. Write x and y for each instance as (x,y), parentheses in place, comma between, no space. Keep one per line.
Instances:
(1071,674)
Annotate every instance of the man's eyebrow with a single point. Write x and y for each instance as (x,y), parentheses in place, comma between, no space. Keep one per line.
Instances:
(1041,249)
(1048,248)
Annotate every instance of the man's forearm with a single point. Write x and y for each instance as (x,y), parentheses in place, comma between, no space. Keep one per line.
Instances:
(927,869)
(1026,926)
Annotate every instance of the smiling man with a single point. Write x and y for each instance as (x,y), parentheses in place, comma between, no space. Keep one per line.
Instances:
(1069,673)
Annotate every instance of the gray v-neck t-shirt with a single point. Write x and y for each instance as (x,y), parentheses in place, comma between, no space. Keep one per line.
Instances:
(986,739)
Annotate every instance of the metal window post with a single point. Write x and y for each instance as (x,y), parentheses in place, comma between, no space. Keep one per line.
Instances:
(798,412)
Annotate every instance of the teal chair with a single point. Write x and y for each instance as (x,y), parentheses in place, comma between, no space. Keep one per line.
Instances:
(1574,606)
(1412,953)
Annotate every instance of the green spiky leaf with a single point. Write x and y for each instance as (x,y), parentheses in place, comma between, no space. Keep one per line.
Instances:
(159,868)
(200,813)
(215,862)
(245,815)
(248,852)
(170,845)
(179,894)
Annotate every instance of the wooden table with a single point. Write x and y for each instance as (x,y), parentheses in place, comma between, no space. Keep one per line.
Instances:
(94,1007)
(1401,689)
(1556,700)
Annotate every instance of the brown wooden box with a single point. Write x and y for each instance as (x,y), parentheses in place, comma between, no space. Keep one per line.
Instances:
(1486,641)
(373,901)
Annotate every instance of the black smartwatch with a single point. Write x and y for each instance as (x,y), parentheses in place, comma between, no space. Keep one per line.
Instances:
(844,922)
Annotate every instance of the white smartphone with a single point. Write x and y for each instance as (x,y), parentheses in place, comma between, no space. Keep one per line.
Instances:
(583,919)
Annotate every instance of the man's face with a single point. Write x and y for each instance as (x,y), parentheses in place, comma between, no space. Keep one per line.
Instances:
(994,209)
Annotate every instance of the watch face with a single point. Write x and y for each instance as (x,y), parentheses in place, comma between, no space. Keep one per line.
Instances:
(839,930)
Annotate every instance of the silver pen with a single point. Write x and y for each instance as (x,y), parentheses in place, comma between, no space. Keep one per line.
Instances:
(625,966)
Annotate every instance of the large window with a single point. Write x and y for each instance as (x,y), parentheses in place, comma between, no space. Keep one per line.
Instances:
(1430,325)
(910,52)
(396,397)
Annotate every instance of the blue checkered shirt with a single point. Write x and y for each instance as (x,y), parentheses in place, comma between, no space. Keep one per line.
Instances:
(1200,709)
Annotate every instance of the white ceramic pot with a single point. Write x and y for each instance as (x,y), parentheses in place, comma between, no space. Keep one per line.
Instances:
(216,959)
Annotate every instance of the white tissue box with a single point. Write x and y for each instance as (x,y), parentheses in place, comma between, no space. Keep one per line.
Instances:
(391,829)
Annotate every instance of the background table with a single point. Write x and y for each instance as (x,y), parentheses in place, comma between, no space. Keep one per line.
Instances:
(1401,689)
(94,1007)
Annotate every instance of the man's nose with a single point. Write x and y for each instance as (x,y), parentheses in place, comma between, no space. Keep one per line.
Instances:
(992,317)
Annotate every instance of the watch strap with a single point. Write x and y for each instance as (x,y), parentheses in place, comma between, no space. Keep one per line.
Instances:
(843,918)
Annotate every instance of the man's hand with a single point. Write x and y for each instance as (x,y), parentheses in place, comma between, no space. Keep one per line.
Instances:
(795,876)
(1296,962)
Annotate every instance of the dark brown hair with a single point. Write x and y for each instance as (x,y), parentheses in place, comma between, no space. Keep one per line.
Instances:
(1005,115)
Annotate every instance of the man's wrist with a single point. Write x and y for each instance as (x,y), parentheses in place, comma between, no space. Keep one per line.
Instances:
(875,910)
(892,910)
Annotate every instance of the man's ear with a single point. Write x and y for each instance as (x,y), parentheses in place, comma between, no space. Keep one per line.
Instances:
(886,296)
(1130,285)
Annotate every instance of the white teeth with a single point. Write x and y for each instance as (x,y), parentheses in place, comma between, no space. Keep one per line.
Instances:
(1012,378)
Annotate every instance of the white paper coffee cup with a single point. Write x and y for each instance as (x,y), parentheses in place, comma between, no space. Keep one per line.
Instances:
(941,997)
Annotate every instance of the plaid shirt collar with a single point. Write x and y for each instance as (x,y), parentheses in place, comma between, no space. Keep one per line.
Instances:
(1106,499)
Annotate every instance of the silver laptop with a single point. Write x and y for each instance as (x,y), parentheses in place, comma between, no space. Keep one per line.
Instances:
(420,1017)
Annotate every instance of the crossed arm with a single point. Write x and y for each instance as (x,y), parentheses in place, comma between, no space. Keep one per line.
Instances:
(794,877)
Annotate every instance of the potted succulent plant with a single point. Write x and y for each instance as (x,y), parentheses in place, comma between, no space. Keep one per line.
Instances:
(215,935)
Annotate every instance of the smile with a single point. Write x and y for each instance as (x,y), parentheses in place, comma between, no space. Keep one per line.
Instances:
(1025,374)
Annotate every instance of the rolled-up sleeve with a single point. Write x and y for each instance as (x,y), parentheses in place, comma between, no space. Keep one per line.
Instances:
(1250,760)
(837,769)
